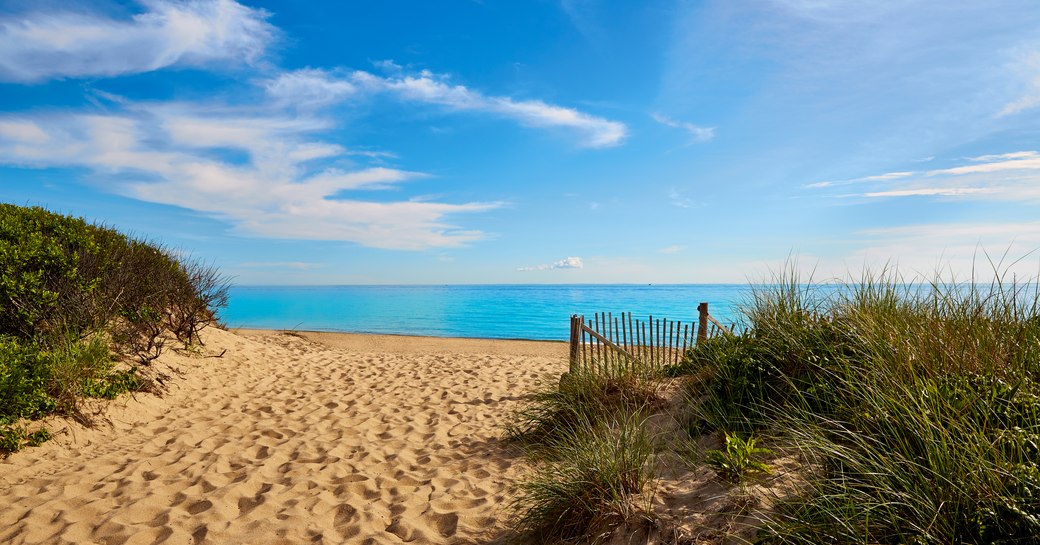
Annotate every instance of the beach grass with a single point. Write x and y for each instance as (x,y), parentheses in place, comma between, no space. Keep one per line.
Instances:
(914,406)
(913,409)
(591,483)
(592,455)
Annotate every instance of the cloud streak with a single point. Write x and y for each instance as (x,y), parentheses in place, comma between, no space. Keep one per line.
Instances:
(1004,177)
(42,46)
(310,87)
(696,132)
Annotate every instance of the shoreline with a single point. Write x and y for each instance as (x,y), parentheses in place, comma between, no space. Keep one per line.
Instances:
(402,343)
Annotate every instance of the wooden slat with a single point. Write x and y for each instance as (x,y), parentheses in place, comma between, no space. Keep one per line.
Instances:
(631,333)
(650,344)
(617,335)
(584,345)
(719,325)
(624,337)
(660,326)
(605,341)
(643,343)
(671,354)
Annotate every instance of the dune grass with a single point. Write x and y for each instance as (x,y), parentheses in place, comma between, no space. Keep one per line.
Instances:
(591,453)
(915,406)
(592,481)
(582,397)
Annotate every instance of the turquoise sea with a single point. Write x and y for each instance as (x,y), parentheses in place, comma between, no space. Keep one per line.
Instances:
(485,311)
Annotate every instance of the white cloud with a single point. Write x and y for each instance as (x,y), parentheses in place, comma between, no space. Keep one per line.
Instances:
(696,132)
(1011,176)
(40,46)
(308,87)
(175,154)
(317,87)
(673,249)
(1030,69)
(568,263)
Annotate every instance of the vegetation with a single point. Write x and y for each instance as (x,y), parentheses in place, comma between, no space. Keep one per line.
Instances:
(737,461)
(915,407)
(77,302)
(588,484)
(583,398)
(593,456)
(914,410)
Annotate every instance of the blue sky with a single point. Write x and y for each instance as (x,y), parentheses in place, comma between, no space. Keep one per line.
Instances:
(536,141)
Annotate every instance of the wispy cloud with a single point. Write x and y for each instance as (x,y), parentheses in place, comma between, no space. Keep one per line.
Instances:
(308,88)
(1009,177)
(1029,68)
(696,132)
(288,184)
(317,87)
(1010,247)
(673,249)
(295,265)
(568,263)
(678,198)
(46,45)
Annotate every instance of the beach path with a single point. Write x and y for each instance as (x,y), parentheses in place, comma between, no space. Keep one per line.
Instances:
(302,438)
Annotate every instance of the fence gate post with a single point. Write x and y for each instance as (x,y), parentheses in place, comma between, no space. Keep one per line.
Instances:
(702,322)
(575,341)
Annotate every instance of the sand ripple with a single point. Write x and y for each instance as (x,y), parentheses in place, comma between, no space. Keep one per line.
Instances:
(284,440)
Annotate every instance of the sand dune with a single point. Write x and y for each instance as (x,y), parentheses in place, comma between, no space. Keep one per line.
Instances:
(315,438)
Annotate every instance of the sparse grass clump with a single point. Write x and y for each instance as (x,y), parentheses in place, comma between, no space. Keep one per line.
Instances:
(74,299)
(583,396)
(592,453)
(589,484)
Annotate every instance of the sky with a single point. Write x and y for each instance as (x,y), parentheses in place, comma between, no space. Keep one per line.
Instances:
(571,141)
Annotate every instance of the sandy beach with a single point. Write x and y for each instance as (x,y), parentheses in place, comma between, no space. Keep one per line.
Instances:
(289,438)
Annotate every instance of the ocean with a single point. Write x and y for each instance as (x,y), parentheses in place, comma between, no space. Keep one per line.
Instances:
(538,312)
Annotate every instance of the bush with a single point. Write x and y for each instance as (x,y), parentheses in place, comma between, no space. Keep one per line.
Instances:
(25,375)
(70,293)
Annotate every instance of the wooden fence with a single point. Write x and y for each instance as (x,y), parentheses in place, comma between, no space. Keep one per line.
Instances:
(610,343)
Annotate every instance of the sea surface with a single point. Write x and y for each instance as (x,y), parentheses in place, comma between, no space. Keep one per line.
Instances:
(539,312)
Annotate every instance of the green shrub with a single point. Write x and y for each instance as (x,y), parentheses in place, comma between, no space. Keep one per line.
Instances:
(70,293)
(25,375)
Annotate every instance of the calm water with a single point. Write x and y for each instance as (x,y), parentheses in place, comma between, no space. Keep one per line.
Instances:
(496,311)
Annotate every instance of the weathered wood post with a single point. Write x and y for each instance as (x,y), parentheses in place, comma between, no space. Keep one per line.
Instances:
(702,322)
(575,341)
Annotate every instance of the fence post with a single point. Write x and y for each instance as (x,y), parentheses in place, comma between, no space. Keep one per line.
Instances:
(702,322)
(575,341)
